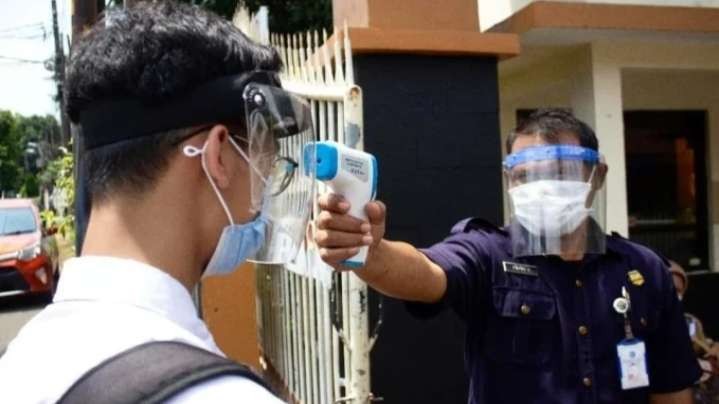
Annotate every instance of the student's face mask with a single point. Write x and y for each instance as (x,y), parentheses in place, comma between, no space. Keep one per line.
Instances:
(279,128)
(238,242)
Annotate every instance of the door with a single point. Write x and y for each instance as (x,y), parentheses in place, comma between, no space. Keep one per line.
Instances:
(667,184)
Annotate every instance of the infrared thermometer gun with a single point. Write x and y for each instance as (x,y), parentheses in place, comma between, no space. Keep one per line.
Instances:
(350,173)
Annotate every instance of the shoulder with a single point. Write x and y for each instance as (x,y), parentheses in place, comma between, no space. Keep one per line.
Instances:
(471,242)
(478,225)
(636,252)
(481,234)
(648,262)
(226,389)
(475,234)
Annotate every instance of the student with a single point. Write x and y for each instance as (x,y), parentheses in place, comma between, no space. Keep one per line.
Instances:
(190,149)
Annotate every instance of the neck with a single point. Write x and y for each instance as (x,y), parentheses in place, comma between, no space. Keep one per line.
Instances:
(574,245)
(149,231)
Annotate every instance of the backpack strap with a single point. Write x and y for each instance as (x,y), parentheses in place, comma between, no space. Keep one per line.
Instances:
(152,373)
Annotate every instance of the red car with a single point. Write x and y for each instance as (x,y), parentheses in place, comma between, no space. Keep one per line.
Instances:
(28,254)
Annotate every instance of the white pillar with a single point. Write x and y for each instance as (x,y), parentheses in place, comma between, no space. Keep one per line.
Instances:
(597,100)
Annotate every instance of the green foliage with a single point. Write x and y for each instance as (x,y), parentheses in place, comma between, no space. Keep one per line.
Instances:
(10,152)
(16,132)
(37,128)
(61,170)
(286,16)
(290,16)
(30,186)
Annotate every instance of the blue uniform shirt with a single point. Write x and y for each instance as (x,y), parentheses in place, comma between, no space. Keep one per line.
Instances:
(546,331)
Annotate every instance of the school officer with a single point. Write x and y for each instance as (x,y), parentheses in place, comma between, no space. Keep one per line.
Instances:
(556,310)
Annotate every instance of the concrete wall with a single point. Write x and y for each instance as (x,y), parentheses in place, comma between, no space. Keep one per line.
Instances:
(229,309)
(432,123)
(492,12)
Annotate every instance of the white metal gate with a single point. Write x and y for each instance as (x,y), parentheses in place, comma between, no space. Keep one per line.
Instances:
(313,322)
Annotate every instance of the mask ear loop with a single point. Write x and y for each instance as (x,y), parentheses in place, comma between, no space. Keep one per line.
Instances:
(192,151)
(591,176)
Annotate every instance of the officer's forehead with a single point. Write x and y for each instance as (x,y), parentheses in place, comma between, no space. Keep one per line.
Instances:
(523,141)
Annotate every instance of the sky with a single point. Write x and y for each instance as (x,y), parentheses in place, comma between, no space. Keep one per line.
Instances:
(27,88)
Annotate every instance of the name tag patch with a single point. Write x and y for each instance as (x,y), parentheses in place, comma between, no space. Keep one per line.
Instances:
(633,364)
(520,269)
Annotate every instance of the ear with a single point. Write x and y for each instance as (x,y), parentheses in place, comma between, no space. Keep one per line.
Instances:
(217,163)
(600,175)
(507,179)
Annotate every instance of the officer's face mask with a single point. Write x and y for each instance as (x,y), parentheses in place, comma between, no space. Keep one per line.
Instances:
(551,206)
(550,189)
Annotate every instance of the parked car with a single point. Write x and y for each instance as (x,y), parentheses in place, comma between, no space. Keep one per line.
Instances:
(29,261)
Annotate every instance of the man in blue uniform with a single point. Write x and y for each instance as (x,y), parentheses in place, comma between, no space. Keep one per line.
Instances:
(556,310)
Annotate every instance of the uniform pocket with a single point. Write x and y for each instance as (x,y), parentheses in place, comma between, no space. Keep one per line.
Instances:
(522,328)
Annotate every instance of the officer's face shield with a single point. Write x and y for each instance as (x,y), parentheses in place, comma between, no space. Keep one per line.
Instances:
(553,190)
(279,127)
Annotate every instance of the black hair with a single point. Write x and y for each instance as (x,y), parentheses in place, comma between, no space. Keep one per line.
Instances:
(550,123)
(151,52)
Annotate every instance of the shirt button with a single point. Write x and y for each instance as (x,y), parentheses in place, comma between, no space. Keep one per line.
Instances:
(578,283)
(525,309)
(583,330)
(587,382)
(643,321)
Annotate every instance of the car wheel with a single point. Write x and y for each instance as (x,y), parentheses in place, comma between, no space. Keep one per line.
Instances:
(55,278)
(47,296)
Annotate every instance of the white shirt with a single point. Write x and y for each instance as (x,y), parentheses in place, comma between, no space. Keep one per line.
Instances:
(104,306)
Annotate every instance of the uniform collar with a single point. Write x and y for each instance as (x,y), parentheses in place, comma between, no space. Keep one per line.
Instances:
(129,282)
(616,245)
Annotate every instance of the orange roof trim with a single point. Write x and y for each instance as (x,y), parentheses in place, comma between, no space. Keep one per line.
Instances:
(550,14)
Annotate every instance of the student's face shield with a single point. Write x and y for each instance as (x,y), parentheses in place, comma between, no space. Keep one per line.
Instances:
(279,127)
(268,125)
(553,189)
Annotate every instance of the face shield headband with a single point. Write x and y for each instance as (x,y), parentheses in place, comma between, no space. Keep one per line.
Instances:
(218,101)
(553,152)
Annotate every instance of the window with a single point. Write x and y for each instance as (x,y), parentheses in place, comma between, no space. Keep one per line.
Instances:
(17,221)
(667,184)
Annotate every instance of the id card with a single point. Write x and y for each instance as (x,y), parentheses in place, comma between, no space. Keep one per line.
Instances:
(632,356)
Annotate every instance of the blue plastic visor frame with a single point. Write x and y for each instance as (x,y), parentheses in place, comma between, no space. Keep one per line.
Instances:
(552,152)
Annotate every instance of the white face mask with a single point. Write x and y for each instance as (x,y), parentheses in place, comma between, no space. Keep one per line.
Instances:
(551,207)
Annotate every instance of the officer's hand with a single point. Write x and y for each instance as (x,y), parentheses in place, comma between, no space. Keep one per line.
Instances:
(339,235)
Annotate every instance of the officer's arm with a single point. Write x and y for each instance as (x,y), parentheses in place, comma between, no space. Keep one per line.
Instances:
(679,397)
(393,268)
(399,270)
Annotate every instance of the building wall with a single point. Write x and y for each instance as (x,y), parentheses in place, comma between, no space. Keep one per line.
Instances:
(492,12)
(228,308)
(432,123)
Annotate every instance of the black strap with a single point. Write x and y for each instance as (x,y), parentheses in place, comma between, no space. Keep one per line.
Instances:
(152,373)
